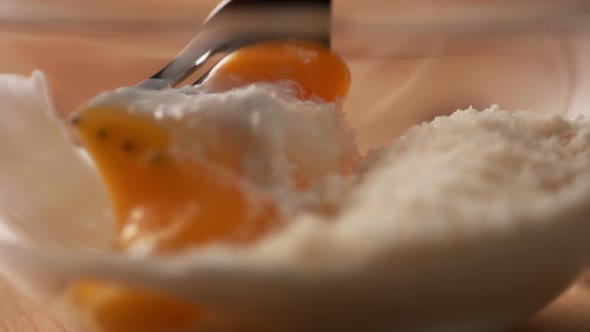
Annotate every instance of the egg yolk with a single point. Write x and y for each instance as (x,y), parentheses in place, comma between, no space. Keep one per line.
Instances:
(117,309)
(311,69)
(164,204)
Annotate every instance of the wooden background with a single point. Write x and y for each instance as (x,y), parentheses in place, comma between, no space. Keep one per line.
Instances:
(401,76)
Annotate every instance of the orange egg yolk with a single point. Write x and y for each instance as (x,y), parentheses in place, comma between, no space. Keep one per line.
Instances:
(117,309)
(163,204)
(310,68)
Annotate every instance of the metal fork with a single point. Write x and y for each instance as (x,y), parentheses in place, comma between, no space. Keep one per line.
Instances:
(237,23)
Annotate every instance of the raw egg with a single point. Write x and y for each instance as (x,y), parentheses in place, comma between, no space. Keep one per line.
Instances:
(310,69)
(164,204)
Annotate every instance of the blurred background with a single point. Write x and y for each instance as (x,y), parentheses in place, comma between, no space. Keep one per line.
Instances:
(411,60)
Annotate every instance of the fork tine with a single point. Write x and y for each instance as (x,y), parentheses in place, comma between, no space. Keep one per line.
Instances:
(186,63)
(235,23)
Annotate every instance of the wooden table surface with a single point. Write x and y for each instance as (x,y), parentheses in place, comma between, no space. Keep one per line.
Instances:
(391,90)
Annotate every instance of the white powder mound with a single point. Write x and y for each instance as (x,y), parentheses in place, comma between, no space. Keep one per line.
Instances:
(466,175)
(474,172)
(276,134)
(470,223)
